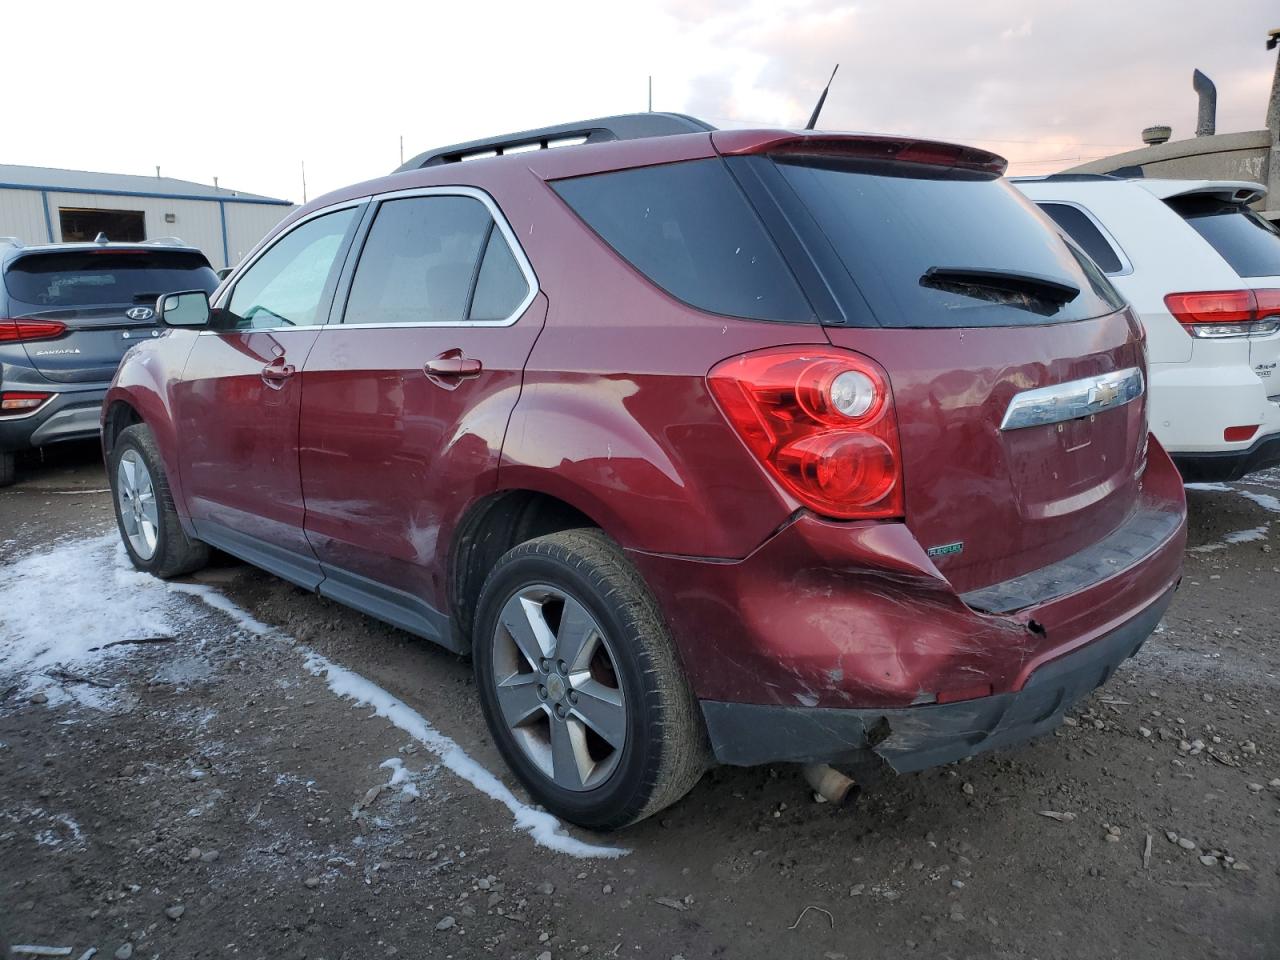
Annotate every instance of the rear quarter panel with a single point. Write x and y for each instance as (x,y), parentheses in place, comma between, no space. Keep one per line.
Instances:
(615,417)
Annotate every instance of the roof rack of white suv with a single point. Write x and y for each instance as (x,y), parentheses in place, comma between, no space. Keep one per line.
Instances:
(10,242)
(629,126)
(165,242)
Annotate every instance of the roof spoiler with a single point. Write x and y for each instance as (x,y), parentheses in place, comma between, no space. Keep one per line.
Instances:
(859,146)
(630,126)
(1239,191)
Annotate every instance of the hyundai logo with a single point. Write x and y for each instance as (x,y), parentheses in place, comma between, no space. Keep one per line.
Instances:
(139,313)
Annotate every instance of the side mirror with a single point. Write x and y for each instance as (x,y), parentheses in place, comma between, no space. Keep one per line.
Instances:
(187,309)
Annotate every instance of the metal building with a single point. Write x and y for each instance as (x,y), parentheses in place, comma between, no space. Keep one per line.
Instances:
(45,204)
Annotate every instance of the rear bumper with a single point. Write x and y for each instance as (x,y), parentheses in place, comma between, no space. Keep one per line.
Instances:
(830,634)
(67,415)
(1229,464)
(913,738)
(1192,404)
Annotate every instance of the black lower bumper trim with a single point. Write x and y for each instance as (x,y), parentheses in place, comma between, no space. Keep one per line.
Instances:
(1230,465)
(913,738)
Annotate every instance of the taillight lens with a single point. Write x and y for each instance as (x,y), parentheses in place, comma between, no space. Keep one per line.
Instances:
(822,423)
(1223,314)
(22,331)
(21,401)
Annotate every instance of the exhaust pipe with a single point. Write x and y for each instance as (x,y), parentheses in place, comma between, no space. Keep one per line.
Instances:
(1207,119)
(830,784)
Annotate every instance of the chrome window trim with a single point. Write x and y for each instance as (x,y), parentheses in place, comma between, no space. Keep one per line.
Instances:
(1126,265)
(1074,399)
(499,220)
(229,285)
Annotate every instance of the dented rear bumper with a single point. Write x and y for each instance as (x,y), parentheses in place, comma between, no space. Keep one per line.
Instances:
(839,641)
(913,738)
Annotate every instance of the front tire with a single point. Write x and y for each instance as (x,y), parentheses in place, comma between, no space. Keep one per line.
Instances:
(580,684)
(145,514)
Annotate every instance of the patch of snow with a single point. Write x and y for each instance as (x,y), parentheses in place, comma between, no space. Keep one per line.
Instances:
(1265,500)
(61,607)
(1239,536)
(400,777)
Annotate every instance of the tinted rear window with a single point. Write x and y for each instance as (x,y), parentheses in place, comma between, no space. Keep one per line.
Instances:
(892,224)
(689,228)
(1245,240)
(1076,224)
(91,278)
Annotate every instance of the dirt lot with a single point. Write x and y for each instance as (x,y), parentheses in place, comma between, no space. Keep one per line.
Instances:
(274,776)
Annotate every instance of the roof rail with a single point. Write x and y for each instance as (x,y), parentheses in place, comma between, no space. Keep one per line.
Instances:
(165,242)
(10,242)
(629,126)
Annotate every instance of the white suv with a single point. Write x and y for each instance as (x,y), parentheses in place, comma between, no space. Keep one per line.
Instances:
(1203,271)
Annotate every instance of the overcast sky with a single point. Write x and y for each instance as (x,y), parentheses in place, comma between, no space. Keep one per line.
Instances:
(247,91)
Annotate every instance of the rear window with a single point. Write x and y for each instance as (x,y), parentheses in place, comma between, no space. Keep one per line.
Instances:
(1249,243)
(689,228)
(97,278)
(1077,225)
(942,247)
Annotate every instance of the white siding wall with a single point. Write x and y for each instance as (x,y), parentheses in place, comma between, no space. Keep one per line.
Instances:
(22,216)
(247,223)
(197,222)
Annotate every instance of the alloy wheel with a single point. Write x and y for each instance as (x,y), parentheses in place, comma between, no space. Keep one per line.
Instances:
(558,688)
(136,495)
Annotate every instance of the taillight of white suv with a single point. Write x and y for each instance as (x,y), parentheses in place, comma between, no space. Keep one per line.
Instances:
(1224,314)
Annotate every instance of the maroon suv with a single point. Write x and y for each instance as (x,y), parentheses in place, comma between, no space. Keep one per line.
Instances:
(747,446)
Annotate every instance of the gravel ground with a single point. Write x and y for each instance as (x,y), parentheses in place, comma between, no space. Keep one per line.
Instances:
(212,793)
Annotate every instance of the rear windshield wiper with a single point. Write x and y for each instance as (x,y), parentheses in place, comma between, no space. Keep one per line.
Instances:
(1033,291)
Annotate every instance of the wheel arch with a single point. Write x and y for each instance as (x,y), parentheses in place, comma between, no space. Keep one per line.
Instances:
(118,415)
(489,528)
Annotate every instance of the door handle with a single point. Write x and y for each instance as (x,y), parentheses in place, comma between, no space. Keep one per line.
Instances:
(451,367)
(277,372)
(457,366)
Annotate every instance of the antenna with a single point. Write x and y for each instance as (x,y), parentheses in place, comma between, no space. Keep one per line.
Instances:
(651,93)
(813,117)
(402,149)
(304,181)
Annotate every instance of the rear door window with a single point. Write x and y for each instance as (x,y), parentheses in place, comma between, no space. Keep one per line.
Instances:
(435,259)
(690,230)
(106,277)
(1078,225)
(942,247)
(1248,242)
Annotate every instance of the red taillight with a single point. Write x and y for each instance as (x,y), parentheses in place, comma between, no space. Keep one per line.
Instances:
(21,331)
(822,422)
(1221,314)
(21,401)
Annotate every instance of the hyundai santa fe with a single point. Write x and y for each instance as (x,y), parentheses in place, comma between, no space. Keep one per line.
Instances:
(70,311)
(706,446)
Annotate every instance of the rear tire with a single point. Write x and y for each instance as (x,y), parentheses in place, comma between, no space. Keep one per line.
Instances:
(618,703)
(8,467)
(145,514)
